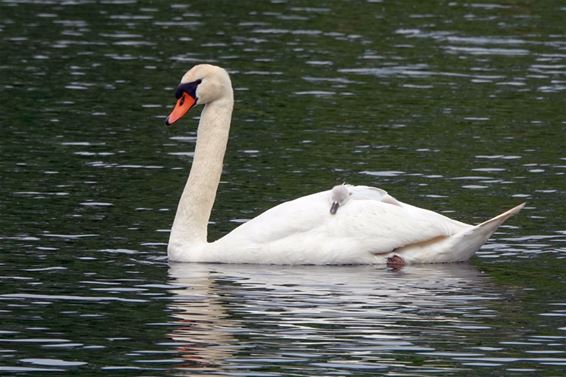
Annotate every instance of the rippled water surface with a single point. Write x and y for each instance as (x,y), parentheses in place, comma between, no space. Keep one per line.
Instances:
(459,107)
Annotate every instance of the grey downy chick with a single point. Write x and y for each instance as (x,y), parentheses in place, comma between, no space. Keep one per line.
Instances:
(339,196)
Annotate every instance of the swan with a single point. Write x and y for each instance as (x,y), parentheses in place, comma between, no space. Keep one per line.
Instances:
(339,197)
(373,228)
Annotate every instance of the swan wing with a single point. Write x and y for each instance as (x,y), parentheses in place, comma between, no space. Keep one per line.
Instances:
(371,223)
(371,193)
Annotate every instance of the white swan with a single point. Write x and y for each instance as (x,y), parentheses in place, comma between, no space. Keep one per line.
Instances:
(372,228)
(339,195)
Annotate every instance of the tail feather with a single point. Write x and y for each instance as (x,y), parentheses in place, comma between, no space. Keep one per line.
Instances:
(471,240)
(458,247)
(500,219)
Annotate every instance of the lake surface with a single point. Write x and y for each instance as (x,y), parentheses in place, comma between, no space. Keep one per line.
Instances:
(459,107)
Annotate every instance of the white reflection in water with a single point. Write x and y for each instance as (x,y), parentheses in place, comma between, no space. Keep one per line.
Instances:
(345,315)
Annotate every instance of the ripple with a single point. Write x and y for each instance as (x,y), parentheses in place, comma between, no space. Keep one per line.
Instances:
(25,296)
(96,204)
(316,93)
(33,340)
(120,251)
(28,369)
(404,70)
(391,173)
(487,51)
(53,362)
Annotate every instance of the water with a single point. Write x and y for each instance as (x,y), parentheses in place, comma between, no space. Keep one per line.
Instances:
(453,106)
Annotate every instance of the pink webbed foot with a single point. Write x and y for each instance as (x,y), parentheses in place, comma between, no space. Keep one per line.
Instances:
(395,262)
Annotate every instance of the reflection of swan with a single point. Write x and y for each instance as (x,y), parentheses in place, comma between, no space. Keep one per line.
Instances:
(235,315)
(424,283)
(200,321)
(368,230)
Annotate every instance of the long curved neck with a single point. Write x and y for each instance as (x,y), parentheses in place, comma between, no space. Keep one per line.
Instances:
(191,220)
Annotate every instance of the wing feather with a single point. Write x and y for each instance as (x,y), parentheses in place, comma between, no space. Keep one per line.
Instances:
(373,222)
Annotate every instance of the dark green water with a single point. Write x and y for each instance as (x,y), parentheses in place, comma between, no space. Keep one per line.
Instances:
(459,107)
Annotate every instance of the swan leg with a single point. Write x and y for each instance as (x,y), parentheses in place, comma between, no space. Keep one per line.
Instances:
(395,262)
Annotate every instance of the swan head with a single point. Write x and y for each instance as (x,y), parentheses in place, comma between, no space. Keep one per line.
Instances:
(339,196)
(202,84)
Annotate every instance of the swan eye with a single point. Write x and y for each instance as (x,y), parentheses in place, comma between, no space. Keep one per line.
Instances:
(190,88)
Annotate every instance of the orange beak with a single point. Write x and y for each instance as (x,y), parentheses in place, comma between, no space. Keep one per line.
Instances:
(181,107)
